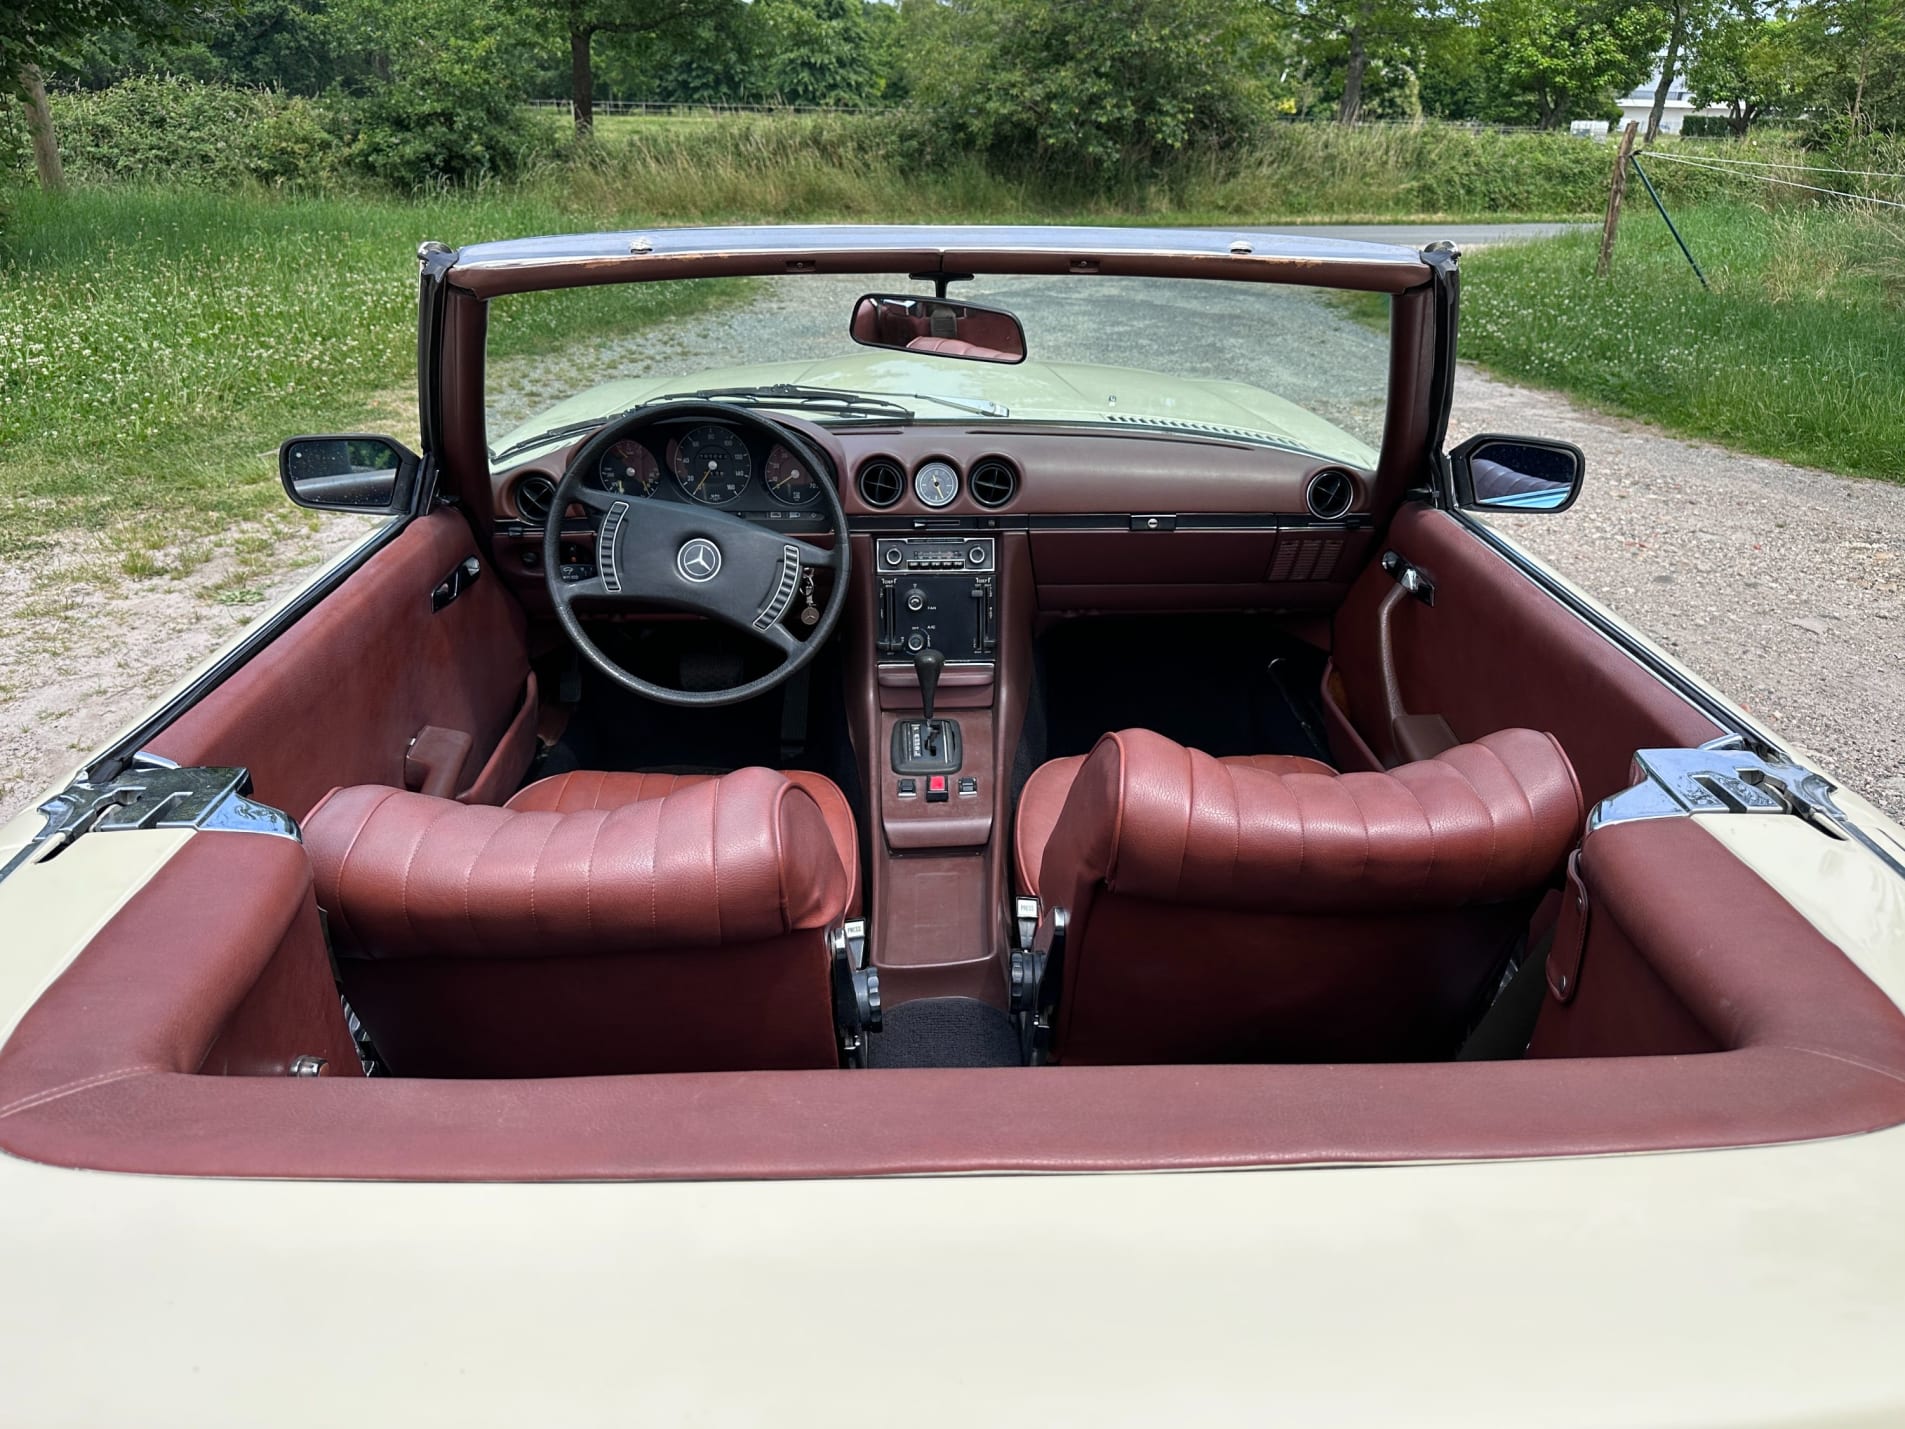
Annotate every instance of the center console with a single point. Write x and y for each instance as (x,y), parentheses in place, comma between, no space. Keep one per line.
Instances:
(936,647)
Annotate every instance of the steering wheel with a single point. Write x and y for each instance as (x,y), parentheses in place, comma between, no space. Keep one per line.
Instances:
(692,557)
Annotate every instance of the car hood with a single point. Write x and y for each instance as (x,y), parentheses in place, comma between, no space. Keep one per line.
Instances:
(1029,391)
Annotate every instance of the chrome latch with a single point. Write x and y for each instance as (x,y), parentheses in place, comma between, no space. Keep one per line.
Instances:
(306,1066)
(1409,576)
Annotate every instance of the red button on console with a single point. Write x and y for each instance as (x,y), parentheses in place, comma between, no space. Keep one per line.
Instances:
(936,789)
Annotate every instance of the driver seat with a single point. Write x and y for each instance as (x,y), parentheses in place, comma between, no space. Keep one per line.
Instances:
(597,925)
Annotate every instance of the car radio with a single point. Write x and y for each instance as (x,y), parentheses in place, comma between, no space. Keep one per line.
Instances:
(939,592)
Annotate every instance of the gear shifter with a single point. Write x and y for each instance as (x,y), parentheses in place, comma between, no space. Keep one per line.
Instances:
(927,664)
(926,745)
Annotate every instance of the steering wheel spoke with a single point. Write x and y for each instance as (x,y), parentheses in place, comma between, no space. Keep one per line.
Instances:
(598,501)
(818,557)
(781,638)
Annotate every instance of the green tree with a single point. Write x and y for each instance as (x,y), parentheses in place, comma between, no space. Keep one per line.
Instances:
(1551,59)
(35,33)
(1687,22)
(1749,61)
(1857,54)
(580,21)
(814,51)
(1357,34)
(1077,86)
(440,98)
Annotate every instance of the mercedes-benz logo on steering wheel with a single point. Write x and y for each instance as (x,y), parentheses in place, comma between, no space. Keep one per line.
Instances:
(699,560)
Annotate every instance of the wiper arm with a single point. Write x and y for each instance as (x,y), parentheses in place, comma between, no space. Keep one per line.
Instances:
(976,405)
(788,394)
(556,434)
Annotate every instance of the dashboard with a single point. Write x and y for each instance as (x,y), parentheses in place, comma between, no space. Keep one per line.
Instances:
(1108,518)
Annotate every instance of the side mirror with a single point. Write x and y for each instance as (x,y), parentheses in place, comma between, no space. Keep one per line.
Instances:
(905,322)
(1494,473)
(370,475)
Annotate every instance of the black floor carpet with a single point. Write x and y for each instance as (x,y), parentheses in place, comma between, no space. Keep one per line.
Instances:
(945,1032)
(1223,684)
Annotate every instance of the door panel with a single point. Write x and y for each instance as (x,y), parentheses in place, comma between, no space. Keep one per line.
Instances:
(1494,651)
(339,697)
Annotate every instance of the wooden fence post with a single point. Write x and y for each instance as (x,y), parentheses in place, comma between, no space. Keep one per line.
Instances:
(1617,190)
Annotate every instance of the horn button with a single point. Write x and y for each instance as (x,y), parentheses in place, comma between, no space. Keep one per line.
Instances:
(698,560)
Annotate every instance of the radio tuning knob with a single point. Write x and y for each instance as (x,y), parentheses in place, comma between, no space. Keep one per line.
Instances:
(893,556)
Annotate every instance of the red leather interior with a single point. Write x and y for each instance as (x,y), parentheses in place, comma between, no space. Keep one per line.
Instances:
(1045,793)
(591,789)
(1224,912)
(101,1070)
(594,941)
(1493,652)
(955,347)
(734,859)
(338,698)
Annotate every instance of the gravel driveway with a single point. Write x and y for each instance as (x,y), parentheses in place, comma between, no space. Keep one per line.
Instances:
(1780,586)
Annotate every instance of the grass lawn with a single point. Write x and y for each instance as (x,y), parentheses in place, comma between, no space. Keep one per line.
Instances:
(1798,351)
(155,347)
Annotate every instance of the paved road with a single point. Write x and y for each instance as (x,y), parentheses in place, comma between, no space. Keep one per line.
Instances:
(1414,235)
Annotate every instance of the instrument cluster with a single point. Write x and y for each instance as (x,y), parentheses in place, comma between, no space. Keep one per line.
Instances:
(711,463)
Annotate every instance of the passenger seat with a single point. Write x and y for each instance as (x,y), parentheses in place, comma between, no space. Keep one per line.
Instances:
(1271,910)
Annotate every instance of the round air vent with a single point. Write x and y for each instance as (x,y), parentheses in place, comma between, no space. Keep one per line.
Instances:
(534,493)
(881,481)
(1331,492)
(994,481)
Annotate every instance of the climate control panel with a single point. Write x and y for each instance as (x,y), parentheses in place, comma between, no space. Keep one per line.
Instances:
(938,591)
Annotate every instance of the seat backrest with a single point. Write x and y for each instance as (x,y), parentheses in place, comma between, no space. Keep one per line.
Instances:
(1219,912)
(688,932)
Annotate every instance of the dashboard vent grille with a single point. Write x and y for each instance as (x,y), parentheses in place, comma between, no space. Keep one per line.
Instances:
(1330,494)
(881,481)
(534,493)
(1177,424)
(1304,558)
(994,481)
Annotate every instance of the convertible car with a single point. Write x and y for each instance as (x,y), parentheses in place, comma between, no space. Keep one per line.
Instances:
(1026,767)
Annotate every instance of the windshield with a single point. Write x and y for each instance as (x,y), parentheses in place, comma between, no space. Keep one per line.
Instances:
(1281,366)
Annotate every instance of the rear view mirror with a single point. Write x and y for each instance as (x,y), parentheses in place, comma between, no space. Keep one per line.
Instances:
(370,475)
(1494,473)
(908,323)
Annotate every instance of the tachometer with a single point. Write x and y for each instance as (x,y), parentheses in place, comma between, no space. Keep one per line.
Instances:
(712,464)
(629,468)
(790,479)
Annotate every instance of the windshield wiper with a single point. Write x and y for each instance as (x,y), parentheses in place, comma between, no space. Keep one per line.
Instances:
(556,434)
(789,394)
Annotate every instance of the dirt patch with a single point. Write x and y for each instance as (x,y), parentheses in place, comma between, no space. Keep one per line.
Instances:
(1782,587)
(83,649)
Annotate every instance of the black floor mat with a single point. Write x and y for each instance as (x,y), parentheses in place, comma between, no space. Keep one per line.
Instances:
(945,1032)
(1223,684)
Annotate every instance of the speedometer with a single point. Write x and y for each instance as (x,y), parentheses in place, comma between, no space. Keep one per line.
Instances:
(712,464)
(790,478)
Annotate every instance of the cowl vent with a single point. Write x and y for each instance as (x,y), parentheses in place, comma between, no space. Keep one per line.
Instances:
(1330,494)
(881,481)
(994,481)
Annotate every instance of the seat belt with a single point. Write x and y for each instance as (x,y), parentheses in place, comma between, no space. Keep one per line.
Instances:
(1508,1026)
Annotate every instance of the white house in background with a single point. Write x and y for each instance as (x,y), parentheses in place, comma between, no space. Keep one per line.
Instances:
(1640,104)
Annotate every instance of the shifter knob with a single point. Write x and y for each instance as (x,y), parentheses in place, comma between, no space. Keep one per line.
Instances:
(927,664)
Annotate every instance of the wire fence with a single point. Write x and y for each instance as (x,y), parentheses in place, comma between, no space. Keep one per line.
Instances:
(1761,171)
(676,110)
